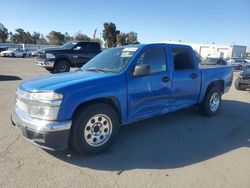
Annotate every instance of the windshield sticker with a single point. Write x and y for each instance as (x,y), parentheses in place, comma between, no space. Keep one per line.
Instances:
(127,54)
(129,49)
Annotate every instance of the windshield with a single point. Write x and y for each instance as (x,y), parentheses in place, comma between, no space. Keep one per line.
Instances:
(111,60)
(68,45)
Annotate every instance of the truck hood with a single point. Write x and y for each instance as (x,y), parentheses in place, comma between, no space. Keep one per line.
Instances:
(47,50)
(59,81)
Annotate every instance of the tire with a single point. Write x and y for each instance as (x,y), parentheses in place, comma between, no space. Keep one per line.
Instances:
(238,85)
(24,55)
(61,66)
(211,102)
(13,55)
(49,69)
(94,128)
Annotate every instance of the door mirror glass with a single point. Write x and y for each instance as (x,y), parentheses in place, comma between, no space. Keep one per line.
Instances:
(141,70)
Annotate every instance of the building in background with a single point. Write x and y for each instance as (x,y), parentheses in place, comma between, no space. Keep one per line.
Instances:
(216,50)
(248,53)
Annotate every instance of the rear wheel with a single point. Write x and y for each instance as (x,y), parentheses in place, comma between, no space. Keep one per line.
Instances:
(61,66)
(211,102)
(238,85)
(94,128)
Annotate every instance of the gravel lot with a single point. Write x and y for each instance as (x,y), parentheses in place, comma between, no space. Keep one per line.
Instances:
(181,149)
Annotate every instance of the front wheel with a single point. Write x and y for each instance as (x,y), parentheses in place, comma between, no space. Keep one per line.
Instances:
(94,128)
(61,66)
(211,102)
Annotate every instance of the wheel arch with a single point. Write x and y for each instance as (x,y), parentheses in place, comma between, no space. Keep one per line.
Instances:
(218,83)
(111,101)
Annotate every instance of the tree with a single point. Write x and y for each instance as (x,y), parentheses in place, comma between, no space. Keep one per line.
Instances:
(82,37)
(121,39)
(35,37)
(109,34)
(132,38)
(56,38)
(3,33)
(21,37)
(41,40)
(68,37)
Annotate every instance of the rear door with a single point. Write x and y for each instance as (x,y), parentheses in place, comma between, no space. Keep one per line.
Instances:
(80,56)
(88,51)
(148,95)
(186,78)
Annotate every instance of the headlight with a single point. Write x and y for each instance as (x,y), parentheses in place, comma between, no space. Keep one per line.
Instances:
(49,56)
(45,105)
(44,111)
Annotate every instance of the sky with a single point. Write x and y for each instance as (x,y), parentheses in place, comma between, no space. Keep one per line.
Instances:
(197,21)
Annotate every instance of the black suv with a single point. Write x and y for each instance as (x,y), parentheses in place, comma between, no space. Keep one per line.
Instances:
(243,81)
(71,54)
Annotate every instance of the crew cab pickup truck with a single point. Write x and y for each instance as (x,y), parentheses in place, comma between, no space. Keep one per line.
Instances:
(71,54)
(119,86)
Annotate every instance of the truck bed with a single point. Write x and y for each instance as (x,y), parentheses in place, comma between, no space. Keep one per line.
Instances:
(210,73)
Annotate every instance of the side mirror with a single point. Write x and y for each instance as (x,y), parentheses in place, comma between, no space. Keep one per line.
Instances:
(78,48)
(141,70)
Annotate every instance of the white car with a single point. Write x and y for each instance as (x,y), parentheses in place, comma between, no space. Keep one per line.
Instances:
(239,64)
(14,52)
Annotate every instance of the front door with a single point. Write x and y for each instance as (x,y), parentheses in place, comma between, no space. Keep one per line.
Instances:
(148,95)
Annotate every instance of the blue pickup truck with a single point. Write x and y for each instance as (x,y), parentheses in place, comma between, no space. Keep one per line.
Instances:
(119,86)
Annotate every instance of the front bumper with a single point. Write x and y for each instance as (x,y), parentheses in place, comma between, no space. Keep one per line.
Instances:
(5,54)
(46,63)
(51,135)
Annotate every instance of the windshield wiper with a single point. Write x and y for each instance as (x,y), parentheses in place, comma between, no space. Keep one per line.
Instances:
(95,70)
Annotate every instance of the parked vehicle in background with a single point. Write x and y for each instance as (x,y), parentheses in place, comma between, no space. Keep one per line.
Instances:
(27,53)
(13,52)
(248,60)
(71,54)
(214,61)
(239,63)
(34,53)
(3,49)
(117,87)
(243,81)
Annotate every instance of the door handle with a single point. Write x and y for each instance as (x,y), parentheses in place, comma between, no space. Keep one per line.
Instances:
(165,79)
(194,76)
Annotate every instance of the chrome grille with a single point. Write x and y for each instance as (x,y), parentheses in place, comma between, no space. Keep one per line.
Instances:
(41,56)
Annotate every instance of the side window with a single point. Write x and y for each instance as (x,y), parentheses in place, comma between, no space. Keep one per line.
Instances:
(182,58)
(155,57)
(90,46)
